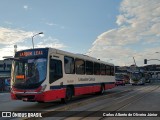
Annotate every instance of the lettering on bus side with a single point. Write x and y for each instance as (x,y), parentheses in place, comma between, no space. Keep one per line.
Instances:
(70,81)
(86,79)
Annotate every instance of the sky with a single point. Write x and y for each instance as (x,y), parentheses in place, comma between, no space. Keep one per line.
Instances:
(111,30)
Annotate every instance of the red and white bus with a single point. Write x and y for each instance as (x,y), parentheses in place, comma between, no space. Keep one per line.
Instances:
(47,74)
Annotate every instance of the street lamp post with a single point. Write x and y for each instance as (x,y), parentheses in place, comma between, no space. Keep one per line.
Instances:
(34,36)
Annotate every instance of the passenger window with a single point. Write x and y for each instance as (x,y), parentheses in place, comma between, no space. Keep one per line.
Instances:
(103,69)
(112,71)
(69,65)
(89,68)
(80,66)
(108,70)
(96,68)
(55,70)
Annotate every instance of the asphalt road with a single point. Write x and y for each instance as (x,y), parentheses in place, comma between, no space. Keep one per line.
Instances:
(122,98)
(16,105)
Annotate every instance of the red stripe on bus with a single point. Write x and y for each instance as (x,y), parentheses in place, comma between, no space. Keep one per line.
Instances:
(61,93)
(54,94)
(86,90)
(45,96)
(91,89)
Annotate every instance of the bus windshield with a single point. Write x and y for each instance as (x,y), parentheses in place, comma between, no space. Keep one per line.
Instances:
(29,73)
(136,76)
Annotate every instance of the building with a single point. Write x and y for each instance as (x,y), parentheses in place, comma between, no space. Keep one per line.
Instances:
(153,71)
(5,74)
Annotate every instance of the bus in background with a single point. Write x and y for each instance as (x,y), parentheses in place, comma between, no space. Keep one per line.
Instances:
(47,74)
(137,78)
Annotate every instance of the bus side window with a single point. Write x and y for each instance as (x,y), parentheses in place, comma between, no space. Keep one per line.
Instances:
(89,68)
(112,71)
(80,66)
(103,69)
(96,68)
(55,70)
(69,65)
(108,71)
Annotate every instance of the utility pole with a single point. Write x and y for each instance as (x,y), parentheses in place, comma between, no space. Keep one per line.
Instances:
(134,61)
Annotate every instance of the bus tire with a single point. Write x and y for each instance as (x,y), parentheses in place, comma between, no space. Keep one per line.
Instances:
(68,97)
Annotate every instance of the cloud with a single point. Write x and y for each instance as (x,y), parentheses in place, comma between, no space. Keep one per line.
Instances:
(115,54)
(51,42)
(55,25)
(51,24)
(138,25)
(26,7)
(10,36)
(8,50)
(120,20)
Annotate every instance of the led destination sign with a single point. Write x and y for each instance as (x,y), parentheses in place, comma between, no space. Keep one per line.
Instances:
(34,52)
(30,53)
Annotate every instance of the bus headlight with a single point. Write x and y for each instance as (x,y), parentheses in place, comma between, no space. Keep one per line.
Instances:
(43,88)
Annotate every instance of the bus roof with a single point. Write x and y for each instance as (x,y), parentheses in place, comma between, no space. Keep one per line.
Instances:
(80,56)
